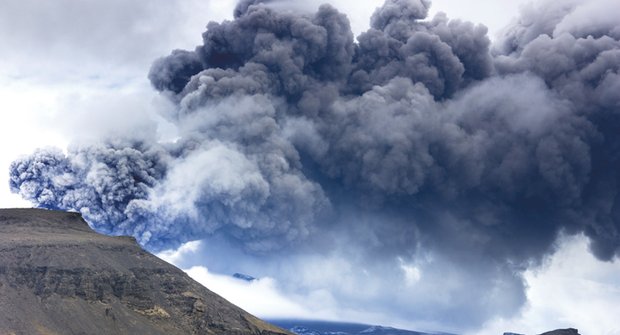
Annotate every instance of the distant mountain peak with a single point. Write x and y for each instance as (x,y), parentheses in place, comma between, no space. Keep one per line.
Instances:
(317,327)
(244,277)
(567,331)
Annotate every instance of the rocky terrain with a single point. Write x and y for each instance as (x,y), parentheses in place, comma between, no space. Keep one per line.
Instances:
(57,276)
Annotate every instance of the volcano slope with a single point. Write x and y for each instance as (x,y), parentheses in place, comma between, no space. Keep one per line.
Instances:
(57,276)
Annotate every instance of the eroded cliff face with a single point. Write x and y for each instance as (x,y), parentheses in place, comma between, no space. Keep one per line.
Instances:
(57,276)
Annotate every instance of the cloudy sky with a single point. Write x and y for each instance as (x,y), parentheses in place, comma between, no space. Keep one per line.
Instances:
(433,176)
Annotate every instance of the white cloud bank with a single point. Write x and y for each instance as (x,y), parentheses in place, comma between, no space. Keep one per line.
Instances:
(264,297)
(572,289)
(260,297)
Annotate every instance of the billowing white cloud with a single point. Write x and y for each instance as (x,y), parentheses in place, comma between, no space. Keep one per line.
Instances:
(308,293)
(339,286)
(260,297)
(411,272)
(175,256)
(572,289)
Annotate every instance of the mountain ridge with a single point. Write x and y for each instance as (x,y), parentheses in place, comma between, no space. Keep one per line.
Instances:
(58,276)
(318,327)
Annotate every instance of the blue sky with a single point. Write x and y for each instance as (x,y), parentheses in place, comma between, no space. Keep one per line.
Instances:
(74,72)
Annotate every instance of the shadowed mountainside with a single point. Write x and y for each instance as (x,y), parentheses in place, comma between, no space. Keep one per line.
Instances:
(567,331)
(57,276)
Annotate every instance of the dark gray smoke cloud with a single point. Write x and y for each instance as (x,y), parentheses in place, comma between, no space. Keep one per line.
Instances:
(417,136)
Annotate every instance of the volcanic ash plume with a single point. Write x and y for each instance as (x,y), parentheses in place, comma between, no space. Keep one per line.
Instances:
(417,136)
